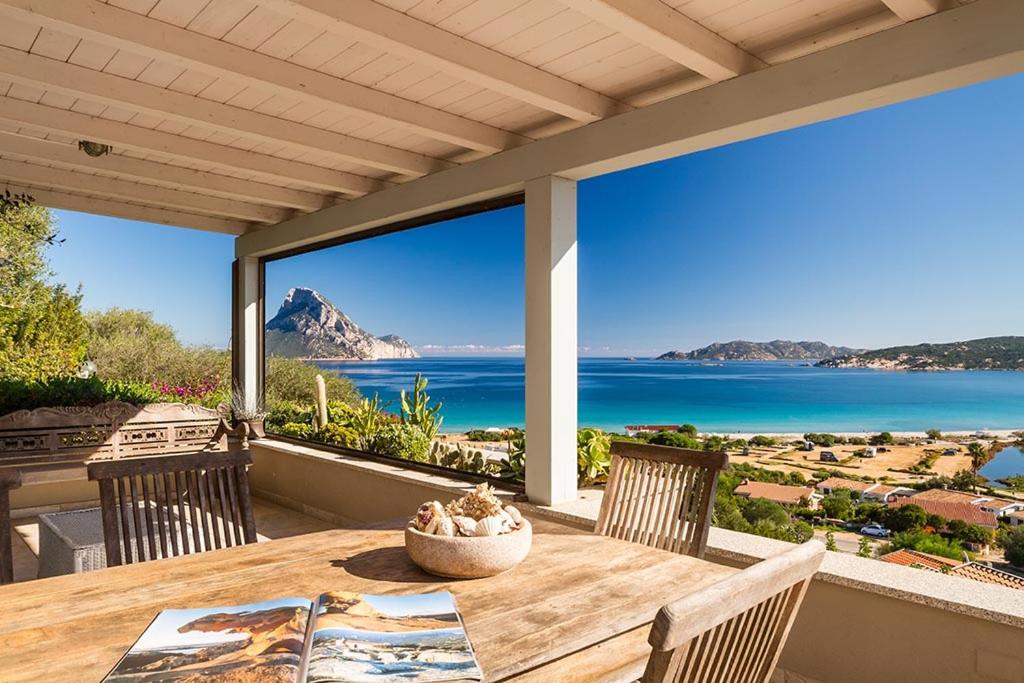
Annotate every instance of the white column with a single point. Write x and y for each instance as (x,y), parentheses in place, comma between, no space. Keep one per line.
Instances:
(550,340)
(246,340)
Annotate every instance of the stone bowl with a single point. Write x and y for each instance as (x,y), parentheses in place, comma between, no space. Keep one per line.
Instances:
(468,557)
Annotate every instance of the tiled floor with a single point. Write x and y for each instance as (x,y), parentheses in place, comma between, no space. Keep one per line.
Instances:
(272,521)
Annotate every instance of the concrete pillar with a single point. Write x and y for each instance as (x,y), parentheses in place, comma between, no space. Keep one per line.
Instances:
(246,328)
(551,340)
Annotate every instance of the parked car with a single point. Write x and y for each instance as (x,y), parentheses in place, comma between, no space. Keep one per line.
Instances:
(876,530)
(828,456)
(949,451)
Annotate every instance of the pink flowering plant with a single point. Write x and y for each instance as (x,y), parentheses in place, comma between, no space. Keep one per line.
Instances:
(206,391)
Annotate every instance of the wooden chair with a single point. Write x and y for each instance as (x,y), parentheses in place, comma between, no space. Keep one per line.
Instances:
(204,496)
(733,631)
(660,496)
(9,479)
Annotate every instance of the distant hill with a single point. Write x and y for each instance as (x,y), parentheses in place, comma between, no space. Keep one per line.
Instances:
(773,350)
(307,325)
(991,353)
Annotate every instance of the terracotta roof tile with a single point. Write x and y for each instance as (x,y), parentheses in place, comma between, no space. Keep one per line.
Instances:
(962,511)
(981,572)
(779,493)
(838,483)
(913,558)
(947,496)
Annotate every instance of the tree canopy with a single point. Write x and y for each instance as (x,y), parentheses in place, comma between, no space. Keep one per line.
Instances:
(42,331)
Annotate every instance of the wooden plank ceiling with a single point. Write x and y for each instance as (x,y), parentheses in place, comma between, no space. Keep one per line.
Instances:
(227,115)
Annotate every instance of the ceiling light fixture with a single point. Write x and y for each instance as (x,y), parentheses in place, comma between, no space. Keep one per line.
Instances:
(93,149)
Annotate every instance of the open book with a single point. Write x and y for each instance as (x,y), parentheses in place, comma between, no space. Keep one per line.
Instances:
(348,637)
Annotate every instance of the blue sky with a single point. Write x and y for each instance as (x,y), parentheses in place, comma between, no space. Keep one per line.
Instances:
(898,225)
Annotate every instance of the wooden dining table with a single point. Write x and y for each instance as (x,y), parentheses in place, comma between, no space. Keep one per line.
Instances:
(579,607)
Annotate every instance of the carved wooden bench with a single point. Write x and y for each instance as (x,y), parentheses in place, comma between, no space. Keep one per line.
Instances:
(62,440)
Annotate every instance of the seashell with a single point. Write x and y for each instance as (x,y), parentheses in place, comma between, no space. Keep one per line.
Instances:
(426,513)
(517,517)
(465,525)
(489,526)
(508,523)
(445,526)
(431,526)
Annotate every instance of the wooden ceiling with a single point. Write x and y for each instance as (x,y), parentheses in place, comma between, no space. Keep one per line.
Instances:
(227,115)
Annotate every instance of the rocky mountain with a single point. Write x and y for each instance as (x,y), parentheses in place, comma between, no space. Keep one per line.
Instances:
(772,350)
(307,325)
(991,353)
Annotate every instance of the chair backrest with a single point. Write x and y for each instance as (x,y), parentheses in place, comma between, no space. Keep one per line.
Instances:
(53,437)
(733,631)
(660,496)
(154,505)
(9,479)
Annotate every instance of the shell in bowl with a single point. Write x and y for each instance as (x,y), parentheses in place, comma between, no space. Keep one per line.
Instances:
(460,557)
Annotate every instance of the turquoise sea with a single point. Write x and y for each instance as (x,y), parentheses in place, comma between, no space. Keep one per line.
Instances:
(730,397)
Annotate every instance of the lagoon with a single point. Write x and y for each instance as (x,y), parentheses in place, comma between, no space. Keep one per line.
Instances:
(1007,463)
(736,396)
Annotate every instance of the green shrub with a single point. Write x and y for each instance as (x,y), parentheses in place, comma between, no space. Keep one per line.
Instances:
(883,439)
(1012,543)
(688,429)
(906,518)
(337,435)
(296,430)
(926,543)
(290,379)
(825,440)
(969,533)
(675,439)
(593,455)
(839,504)
(762,441)
(402,441)
(42,331)
(857,441)
(128,345)
(484,435)
(70,391)
(284,412)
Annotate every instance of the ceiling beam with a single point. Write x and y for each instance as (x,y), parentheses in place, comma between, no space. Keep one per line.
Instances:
(669,32)
(139,34)
(163,197)
(426,44)
(125,135)
(55,199)
(79,81)
(974,43)
(24,147)
(908,10)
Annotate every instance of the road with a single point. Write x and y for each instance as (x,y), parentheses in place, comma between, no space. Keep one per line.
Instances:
(846,541)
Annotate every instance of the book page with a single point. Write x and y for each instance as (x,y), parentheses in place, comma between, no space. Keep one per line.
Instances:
(360,638)
(257,642)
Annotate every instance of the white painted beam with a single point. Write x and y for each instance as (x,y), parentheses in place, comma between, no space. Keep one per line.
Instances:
(81,126)
(246,332)
(161,197)
(665,30)
(98,86)
(429,45)
(139,34)
(908,10)
(56,199)
(551,340)
(34,149)
(976,42)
